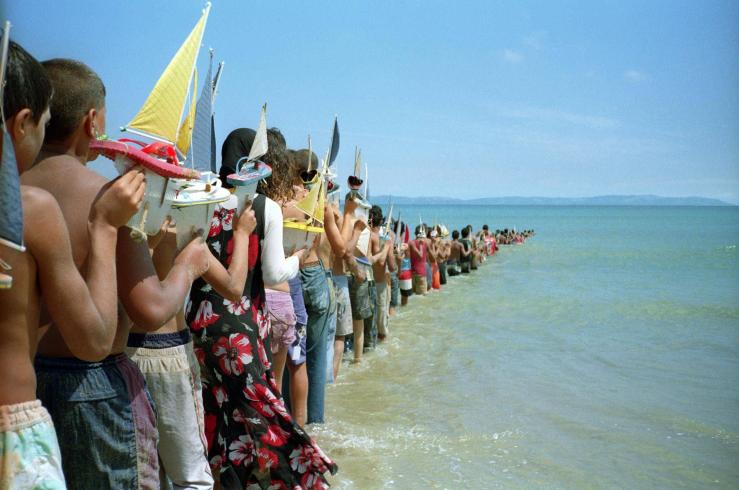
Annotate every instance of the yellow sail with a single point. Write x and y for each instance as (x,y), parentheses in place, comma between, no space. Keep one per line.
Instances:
(185,138)
(321,204)
(308,203)
(161,113)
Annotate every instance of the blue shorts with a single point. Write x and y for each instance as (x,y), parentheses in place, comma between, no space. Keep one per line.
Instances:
(105,421)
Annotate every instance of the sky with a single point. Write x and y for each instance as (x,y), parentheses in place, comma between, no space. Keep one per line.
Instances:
(462,99)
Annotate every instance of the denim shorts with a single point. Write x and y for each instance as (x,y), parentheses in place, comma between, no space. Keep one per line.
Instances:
(315,290)
(394,290)
(105,421)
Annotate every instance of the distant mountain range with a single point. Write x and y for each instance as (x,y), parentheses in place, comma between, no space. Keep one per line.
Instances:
(636,200)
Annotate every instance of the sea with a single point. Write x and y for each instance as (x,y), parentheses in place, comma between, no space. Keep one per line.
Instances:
(602,353)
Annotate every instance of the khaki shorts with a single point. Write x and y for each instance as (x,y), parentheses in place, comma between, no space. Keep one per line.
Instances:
(419,284)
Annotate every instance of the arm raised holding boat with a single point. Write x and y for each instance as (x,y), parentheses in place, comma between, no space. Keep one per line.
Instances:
(229,283)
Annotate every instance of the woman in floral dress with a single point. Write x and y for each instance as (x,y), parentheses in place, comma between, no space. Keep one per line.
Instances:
(253,441)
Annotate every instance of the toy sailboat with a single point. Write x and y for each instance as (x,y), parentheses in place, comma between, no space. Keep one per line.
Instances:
(160,119)
(250,170)
(11,208)
(300,233)
(196,200)
(296,233)
(385,230)
(332,180)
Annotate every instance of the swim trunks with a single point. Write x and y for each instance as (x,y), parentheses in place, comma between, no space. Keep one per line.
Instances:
(343,307)
(172,375)
(29,448)
(419,284)
(282,318)
(359,295)
(105,421)
(453,268)
(394,290)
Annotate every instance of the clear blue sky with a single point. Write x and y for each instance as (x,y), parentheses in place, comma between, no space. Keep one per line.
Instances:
(460,98)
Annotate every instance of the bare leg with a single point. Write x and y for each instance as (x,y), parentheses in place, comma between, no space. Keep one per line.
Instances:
(278,365)
(298,392)
(338,354)
(358,327)
(404,301)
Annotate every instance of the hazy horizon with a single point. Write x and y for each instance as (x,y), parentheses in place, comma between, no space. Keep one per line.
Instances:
(466,99)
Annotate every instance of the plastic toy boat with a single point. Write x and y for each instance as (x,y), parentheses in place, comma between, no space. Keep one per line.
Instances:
(159,119)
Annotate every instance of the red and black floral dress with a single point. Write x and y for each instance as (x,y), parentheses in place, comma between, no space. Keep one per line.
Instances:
(251,437)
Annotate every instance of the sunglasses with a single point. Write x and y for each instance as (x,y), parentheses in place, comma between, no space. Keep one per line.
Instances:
(355,181)
(308,175)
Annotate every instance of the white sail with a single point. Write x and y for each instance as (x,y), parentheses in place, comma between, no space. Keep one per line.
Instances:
(366,182)
(259,147)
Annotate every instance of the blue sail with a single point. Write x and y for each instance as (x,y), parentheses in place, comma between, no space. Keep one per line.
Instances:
(334,148)
(202,132)
(11,209)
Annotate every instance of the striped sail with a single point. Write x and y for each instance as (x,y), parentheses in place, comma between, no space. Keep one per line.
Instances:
(202,135)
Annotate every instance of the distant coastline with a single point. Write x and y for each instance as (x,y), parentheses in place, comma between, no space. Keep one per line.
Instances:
(615,200)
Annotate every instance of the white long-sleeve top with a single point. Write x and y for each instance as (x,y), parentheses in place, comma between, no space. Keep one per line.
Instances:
(276,268)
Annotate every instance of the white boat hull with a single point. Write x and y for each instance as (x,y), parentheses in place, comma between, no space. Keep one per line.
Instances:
(296,239)
(157,202)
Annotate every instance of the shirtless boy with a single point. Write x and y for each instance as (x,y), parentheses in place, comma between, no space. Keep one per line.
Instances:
(102,410)
(344,265)
(382,259)
(359,281)
(84,311)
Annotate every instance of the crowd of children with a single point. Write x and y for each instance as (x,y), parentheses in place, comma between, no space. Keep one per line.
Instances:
(143,365)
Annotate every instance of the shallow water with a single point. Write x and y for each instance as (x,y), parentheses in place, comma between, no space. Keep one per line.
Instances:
(602,353)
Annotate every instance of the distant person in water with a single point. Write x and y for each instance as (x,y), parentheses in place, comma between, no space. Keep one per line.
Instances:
(419,255)
(381,249)
(453,268)
(465,258)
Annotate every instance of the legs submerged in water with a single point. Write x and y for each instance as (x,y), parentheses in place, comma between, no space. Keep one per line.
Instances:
(358,339)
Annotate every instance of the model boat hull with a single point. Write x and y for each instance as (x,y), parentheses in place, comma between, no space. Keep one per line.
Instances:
(193,208)
(297,235)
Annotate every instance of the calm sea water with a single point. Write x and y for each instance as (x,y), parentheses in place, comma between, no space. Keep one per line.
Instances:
(603,353)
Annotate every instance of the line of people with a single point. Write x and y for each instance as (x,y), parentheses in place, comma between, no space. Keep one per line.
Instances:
(140,365)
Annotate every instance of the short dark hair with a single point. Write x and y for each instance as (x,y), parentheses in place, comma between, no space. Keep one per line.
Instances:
(27,85)
(465,232)
(301,159)
(375,216)
(77,89)
(455,234)
(485,227)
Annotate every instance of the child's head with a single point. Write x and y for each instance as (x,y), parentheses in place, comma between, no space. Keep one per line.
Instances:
(26,104)
(78,103)
(375,216)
